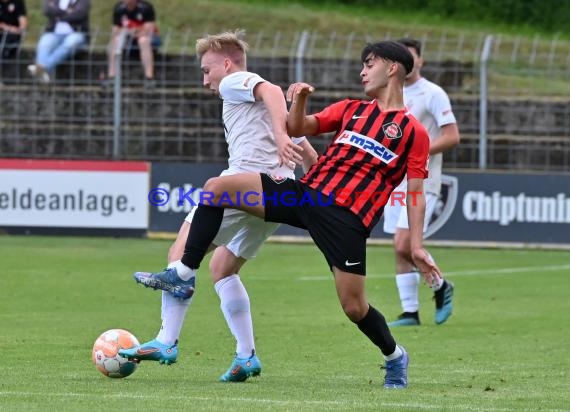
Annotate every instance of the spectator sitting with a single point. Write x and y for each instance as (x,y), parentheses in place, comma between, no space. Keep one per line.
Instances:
(137,19)
(13,22)
(67,30)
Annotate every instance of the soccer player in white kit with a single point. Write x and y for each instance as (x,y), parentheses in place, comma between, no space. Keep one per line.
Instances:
(254,114)
(428,103)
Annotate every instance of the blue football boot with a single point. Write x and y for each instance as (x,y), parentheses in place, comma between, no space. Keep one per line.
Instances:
(169,281)
(242,368)
(444,302)
(397,372)
(152,350)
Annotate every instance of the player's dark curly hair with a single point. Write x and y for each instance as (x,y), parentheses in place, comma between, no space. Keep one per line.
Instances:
(390,50)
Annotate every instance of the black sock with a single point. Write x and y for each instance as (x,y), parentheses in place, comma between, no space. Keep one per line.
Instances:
(414,315)
(203,229)
(374,326)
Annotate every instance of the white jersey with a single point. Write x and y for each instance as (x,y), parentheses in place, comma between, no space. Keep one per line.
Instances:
(429,103)
(248,128)
(252,148)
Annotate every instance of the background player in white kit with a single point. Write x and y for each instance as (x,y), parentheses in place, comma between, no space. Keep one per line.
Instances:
(254,115)
(429,104)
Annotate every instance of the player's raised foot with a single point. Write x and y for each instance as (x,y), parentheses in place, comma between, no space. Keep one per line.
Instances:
(242,368)
(169,281)
(397,371)
(444,302)
(153,351)
(406,319)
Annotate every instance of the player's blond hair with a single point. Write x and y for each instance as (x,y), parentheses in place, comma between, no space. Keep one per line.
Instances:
(229,43)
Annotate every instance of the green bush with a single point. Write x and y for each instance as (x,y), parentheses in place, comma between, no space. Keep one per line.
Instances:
(547,15)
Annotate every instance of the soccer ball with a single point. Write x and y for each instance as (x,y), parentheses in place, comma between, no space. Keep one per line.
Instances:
(106,357)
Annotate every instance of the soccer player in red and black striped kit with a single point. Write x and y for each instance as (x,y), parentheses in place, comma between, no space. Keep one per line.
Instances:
(342,196)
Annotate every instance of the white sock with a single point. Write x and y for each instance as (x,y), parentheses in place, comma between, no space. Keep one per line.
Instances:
(184,272)
(235,306)
(397,353)
(173,314)
(408,285)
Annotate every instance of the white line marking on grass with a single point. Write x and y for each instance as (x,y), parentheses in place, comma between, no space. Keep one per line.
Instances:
(300,403)
(163,397)
(503,271)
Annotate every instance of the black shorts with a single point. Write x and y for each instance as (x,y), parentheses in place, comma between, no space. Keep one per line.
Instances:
(337,232)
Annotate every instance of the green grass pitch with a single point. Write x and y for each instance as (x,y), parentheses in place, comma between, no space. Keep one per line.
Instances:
(506,347)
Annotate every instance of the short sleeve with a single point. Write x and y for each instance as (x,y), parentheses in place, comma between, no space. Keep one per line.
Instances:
(418,158)
(330,118)
(440,108)
(238,87)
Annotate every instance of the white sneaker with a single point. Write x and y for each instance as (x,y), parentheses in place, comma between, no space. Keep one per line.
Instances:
(33,70)
(39,72)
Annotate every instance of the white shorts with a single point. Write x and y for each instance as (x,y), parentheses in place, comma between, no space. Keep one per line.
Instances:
(396,215)
(242,233)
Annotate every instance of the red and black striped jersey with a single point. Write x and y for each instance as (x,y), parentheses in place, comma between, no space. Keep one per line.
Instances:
(371,153)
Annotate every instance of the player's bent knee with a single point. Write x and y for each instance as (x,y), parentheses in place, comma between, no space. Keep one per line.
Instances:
(219,272)
(210,184)
(354,310)
(214,185)
(223,268)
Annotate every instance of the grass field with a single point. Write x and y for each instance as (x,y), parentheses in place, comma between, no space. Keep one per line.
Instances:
(504,349)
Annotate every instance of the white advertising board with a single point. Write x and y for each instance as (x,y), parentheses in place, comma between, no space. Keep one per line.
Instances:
(74,194)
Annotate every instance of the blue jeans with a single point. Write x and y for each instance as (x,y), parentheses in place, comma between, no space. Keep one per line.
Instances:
(55,48)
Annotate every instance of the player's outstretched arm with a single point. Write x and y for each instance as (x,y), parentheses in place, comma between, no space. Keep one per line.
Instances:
(274,100)
(415,205)
(448,139)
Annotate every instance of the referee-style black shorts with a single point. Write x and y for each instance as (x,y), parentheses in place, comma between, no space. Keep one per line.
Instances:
(337,232)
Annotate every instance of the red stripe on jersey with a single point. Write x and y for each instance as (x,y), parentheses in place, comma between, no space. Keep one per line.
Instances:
(371,153)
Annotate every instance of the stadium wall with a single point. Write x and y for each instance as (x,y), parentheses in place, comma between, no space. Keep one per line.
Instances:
(74,117)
